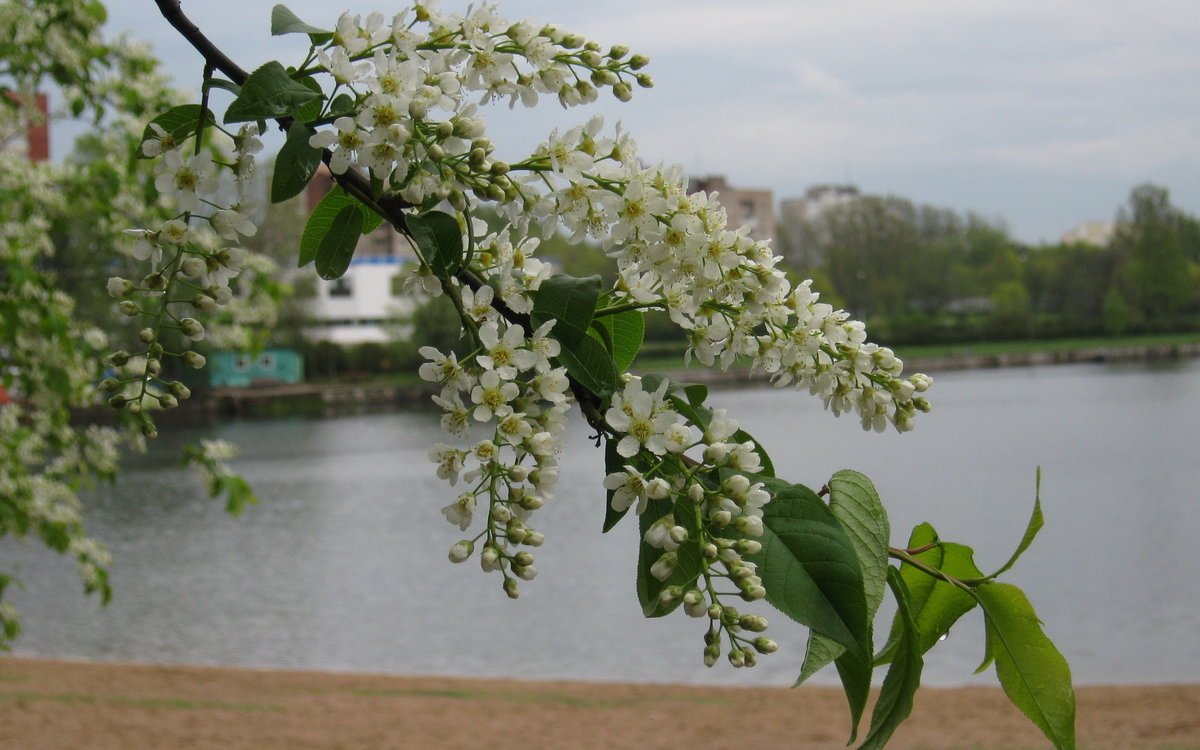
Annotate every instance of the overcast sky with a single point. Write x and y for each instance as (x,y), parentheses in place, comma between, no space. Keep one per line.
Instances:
(1042,114)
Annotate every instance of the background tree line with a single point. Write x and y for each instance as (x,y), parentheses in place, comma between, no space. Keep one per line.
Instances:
(921,274)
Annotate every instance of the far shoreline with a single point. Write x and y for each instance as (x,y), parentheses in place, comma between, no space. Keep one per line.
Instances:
(348,396)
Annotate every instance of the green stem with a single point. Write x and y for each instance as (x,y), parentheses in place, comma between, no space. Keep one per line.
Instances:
(616,309)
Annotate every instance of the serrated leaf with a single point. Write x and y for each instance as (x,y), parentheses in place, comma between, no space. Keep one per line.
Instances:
(625,330)
(855,504)
(179,123)
(809,567)
(936,605)
(439,240)
(896,696)
(312,110)
(337,246)
(1036,522)
(296,163)
(688,555)
(1034,675)
(322,218)
(588,363)
(570,302)
(266,93)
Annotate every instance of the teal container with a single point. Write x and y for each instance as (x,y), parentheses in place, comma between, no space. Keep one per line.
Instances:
(242,369)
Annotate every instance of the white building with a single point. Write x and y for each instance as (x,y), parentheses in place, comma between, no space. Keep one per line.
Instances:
(1097,233)
(365,304)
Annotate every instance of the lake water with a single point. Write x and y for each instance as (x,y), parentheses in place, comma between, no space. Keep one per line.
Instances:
(343,565)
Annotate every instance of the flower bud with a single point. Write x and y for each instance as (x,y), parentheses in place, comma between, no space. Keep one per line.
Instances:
(645,81)
(192,328)
(490,559)
(748,546)
(711,654)
(204,303)
(765,645)
(146,335)
(193,359)
(179,390)
(461,550)
(118,358)
(737,657)
(510,588)
(501,513)
(129,307)
(753,623)
(167,401)
(154,351)
(117,402)
(710,551)
(637,62)
(436,153)
(153,366)
(417,109)
(622,92)
(715,611)
(535,538)
(523,558)
(617,51)
(445,129)
(193,267)
(721,519)
(670,595)
(696,493)
(149,430)
(155,281)
(525,572)
(119,287)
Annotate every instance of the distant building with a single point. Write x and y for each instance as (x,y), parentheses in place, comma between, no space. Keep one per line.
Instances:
(32,137)
(366,303)
(817,200)
(753,207)
(1097,233)
(801,241)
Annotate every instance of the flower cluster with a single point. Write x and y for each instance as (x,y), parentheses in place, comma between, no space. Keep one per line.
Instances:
(505,406)
(191,267)
(674,251)
(697,481)
(410,121)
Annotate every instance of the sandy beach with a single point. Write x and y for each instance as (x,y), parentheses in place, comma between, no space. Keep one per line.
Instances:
(63,705)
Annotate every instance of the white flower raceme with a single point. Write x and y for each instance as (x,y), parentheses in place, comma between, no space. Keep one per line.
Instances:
(642,417)
(185,178)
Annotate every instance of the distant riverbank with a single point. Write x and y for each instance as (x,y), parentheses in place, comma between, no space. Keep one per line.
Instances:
(48,705)
(341,396)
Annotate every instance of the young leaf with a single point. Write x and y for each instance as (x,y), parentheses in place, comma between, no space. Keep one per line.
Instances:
(809,567)
(179,123)
(591,365)
(439,240)
(625,330)
(296,163)
(936,605)
(337,246)
(268,92)
(688,555)
(284,21)
(322,218)
(1034,675)
(896,696)
(1036,522)
(570,302)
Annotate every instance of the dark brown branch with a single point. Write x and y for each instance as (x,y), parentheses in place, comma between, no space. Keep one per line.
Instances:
(389,206)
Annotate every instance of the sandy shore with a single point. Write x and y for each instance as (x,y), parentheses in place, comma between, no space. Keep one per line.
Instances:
(67,705)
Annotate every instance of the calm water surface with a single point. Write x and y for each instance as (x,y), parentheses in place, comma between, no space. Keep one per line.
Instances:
(343,565)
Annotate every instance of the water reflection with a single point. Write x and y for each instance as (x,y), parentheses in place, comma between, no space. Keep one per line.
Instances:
(343,565)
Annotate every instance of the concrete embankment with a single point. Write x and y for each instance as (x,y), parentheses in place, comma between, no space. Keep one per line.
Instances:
(341,398)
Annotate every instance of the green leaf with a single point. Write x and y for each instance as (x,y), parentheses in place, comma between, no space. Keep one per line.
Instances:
(322,218)
(856,505)
(625,330)
(178,122)
(936,605)
(268,92)
(896,696)
(312,110)
(613,462)
(284,21)
(337,246)
(439,240)
(342,104)
(1034,675)
(1036,522)
(221,83)
(688,554)
(568,301)
(296,164)
(809,567)
(591,365)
